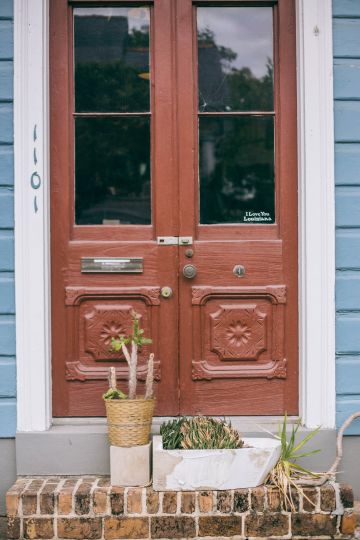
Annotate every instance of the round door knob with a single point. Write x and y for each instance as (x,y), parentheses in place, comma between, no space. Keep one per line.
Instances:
(166,292)
(189,271)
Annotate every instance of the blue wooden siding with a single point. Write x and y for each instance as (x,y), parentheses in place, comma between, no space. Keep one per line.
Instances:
(346,39)
(7,290)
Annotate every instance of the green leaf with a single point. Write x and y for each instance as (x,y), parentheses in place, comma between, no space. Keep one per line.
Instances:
(297,467)
(305,454)
(306,439)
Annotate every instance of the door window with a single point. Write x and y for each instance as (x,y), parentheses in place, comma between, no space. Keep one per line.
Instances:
(112,115)
(236,114)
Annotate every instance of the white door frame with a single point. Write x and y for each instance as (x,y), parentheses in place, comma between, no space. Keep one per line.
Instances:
(316,214)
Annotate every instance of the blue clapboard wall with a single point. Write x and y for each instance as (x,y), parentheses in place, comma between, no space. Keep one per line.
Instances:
(7,300)
(346,39)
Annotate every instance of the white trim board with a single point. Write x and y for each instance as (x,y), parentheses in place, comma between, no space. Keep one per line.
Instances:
(32,221)
(316,214)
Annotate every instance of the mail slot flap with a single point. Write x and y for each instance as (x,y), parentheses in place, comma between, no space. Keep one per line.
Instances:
(117,265)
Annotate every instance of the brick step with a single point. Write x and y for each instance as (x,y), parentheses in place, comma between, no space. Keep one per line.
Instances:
(89,508)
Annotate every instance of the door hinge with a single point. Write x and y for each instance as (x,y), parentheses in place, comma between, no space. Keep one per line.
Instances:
(175,240)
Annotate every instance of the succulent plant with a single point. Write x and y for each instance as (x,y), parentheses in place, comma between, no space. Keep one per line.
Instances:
(198,433)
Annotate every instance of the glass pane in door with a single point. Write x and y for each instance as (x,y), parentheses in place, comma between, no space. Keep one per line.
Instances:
(235,58)
(112,59)
(236,162)
(112,171)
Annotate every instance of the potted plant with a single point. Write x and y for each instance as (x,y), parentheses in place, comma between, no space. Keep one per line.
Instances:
(129,416)
(206,453)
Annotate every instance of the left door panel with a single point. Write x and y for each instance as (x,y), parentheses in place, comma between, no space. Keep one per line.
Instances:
(108,201)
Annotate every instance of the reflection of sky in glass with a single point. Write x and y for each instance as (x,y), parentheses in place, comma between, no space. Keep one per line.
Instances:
(247,31)
(137,17)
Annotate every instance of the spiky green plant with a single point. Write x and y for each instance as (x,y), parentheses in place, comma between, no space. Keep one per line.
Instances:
(199,433)
(287,473)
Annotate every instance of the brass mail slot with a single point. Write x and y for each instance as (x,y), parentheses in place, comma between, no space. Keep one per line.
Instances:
(117,265)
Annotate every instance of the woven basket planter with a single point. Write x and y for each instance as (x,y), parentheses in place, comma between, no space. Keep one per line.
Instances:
(129,421)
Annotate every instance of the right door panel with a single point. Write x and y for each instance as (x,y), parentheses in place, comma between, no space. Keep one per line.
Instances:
(238,199)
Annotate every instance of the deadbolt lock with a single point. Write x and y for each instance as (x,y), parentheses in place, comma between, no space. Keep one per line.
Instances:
(189,271)
(166,292)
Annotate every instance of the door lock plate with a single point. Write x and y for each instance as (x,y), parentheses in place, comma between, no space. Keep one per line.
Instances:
(174,240)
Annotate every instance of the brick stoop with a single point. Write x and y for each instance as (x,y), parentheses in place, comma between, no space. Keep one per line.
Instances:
(87,508)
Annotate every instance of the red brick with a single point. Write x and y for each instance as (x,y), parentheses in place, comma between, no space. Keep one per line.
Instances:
(313,524)
(274,500)
(38,528)
(100,500)
(295,496)
(241,500)
(327,499)
(258,499)
(173,527)
(117,500)
(152,501)
(310,499)
(223,503)
(47,499)
(266,525)
(348,523)
(169,502)
(29,503)
(220,526)
(13,496)
(347,495)
(79,528)
(82,499)
(65,501)
(187,502)
(206,501)
(12,503)
(134,501)
(126,527)
(104,482)
(13,528)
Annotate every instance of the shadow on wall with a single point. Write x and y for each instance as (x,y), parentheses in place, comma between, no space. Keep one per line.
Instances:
(7,472)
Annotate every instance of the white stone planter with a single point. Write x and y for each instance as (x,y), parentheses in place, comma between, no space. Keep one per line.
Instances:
(187,470)
(130,466)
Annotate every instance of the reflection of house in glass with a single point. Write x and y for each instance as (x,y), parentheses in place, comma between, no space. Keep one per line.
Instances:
(112,153)
(236,153)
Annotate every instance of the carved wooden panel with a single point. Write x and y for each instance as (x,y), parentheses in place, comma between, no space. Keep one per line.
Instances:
(238,332)
(102,322)
(96,315)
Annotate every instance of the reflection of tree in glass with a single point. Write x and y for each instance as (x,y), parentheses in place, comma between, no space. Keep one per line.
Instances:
(112,170)
(113,77)
(223,87)
(236,168)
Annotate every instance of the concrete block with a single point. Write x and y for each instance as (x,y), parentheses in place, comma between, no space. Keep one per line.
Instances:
(130,466)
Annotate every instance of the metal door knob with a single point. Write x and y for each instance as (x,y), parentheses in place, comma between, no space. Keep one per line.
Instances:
(166,292)
(189,271)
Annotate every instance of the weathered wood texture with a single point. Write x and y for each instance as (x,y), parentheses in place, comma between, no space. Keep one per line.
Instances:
(346,38)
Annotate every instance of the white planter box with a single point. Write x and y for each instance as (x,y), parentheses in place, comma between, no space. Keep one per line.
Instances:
(130,466)
(187,470)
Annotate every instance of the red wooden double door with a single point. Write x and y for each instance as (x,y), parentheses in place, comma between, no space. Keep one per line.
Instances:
(174,194)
